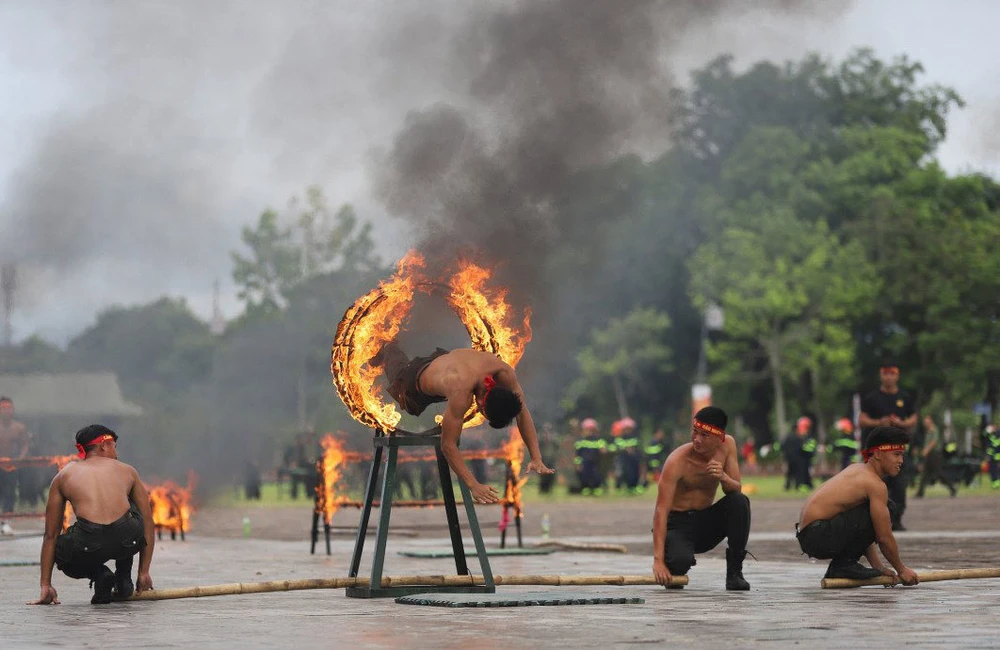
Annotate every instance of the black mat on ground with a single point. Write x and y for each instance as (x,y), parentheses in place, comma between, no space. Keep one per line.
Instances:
(492,552)
(527,599)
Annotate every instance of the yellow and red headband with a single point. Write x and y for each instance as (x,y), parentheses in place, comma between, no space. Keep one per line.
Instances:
(82,451)
(711,430)
(867,453)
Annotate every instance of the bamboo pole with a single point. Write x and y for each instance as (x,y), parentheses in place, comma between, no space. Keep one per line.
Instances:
(927,576)
(582,546)
(238,588)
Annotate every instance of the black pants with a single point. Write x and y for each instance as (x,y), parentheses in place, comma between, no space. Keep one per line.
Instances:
(698,531)
(83,549)
(897,490)
(590,475)
(8,490)
(630,470)
(934,471)
(403,375)
(845,537)
(803,472)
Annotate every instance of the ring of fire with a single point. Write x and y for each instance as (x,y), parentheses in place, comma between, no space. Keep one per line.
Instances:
(377,318)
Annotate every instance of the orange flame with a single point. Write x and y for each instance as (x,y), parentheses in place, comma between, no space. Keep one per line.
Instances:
(514,453)
(329,468)
(485,313)
(172,505)
(372,321)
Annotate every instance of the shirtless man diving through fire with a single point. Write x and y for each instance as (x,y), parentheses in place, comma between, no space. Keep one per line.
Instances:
(460,377)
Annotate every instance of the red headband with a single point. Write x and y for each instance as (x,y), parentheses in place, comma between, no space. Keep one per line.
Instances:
(93,443)
(490,384)
(867,453)
(709,429)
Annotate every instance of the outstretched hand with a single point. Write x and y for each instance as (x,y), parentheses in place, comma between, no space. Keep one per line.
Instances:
(484,493)
(538,466)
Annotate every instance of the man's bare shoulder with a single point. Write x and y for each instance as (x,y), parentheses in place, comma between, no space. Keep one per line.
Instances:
(678,456)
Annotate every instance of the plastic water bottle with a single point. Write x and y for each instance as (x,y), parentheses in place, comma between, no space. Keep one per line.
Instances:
(246,526)
(546,525)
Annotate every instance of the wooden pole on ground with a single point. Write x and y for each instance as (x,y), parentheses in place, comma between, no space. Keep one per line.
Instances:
(927,576)
(397,581)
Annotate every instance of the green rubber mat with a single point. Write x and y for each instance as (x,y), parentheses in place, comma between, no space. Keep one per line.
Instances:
(471,553)
(19,563)
(517,600)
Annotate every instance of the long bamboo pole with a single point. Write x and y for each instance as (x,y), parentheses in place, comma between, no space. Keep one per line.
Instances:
(397,581)
(927,576)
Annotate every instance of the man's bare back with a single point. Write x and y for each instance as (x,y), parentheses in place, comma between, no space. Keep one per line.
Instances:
(457,373)
(13,439)
(848,489)
(98,488)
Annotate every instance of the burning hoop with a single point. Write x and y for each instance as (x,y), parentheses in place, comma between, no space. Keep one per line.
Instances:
(377,317)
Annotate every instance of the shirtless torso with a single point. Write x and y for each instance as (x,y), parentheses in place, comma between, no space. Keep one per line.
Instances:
(850,488)
(459,377)
(14,439)
(457,374)
(696,477)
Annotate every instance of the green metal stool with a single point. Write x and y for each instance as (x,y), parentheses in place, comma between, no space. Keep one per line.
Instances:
(432,438)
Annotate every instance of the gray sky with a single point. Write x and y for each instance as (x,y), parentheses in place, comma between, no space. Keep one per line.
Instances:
(140,137)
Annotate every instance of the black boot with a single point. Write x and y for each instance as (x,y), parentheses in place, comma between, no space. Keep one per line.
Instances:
(103,583)
(123,579)
(851,570)
(734,571)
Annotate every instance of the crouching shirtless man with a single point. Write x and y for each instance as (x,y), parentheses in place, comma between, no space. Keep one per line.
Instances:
(849,514)
(686,521)
(113,522)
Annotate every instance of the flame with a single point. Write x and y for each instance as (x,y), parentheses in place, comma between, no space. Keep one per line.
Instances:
(372,321)
(377,318)
(172,505)
(485,313)
(329,469)
(514,453)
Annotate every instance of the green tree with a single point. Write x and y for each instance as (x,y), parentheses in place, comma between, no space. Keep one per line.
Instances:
(280,256)
(625,359)
(785,285)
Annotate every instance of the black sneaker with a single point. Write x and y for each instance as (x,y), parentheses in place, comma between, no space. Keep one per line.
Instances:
(851,571)
(898,527)
(103,585)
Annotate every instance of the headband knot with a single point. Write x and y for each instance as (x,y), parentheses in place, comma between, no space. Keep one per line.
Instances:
(490,384)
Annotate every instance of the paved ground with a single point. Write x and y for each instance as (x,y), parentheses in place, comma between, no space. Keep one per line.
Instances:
(785,607)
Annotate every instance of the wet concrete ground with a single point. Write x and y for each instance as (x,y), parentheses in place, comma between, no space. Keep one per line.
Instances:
(785,607)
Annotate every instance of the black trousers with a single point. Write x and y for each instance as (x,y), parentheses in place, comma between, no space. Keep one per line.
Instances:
(83,549)
(845,537)
(897,490)
(690,532)
(8,490)
(590,475)
(630,470)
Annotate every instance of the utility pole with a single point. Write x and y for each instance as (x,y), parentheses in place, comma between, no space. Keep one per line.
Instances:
(8,285)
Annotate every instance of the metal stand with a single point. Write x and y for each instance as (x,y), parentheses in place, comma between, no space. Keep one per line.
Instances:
(517,515)
(315,533)
(390,445)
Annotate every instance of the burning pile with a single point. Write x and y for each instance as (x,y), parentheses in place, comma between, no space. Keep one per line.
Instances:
(328,472)
(377,318)
(172,506)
